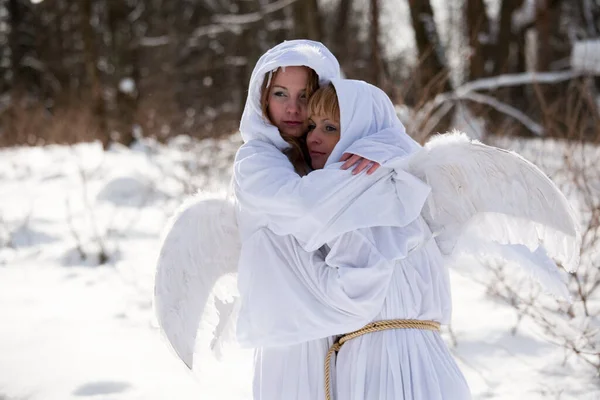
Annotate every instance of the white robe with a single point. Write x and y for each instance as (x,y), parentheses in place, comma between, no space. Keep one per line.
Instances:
(292,298)
(369,274)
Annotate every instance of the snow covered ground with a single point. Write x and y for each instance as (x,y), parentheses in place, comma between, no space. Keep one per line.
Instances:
(73,329)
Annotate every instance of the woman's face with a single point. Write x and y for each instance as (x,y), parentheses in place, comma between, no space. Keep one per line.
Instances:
(287,101)
(323,135)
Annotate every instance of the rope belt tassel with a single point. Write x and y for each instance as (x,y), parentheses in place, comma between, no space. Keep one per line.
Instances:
(376,326)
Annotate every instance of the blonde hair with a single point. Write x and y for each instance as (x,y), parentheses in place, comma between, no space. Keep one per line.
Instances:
(325,102)
(298,152)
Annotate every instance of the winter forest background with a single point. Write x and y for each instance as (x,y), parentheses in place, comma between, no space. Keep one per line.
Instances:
(113,112)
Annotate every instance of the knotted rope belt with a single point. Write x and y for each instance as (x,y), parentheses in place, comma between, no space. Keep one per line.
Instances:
(370,328)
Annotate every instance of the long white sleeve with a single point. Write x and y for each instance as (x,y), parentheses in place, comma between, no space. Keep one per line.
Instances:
(322,205)
(310,296)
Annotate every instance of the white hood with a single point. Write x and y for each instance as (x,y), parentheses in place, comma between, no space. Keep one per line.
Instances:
(366,110)
(289,53)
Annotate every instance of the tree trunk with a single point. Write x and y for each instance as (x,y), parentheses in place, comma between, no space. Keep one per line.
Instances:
(502,61)
(519,93)
(126,73)
(6,70)
(432,72)
(90,54)
(478,31)
(250,49)
(377,66)
(547,24)
(307,20)
(340,35)
(552,46)
(15,11)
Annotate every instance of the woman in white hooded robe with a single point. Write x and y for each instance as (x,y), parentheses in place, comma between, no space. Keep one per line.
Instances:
(286,371)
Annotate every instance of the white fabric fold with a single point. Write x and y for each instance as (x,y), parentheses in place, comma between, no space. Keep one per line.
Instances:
(324,204)
(314,295)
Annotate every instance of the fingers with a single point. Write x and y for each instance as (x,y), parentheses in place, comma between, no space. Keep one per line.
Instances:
(361,166)
(373,168)
(351,161)
(360,162)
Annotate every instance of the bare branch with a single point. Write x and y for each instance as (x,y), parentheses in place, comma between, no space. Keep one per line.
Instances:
(235,23)
(504,108)
(154,41)
(526,78)
(242,19)
(466,92)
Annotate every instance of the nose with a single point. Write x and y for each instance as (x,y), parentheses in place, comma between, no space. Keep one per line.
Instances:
(293,106)
(313,137)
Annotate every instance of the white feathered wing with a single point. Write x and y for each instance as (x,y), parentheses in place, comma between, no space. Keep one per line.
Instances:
(195,288)
(486,195)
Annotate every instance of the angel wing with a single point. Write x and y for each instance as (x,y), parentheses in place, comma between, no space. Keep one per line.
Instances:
(487,192)
(537,263)
(195,285)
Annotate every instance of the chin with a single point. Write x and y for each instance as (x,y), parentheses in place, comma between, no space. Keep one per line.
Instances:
(294,132)
(317,165)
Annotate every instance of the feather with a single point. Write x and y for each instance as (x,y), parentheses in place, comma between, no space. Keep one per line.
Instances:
(496,194)
(200,249)
(536,264)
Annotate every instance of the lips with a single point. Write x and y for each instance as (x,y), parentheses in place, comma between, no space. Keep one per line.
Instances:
(293,123)
(314,153)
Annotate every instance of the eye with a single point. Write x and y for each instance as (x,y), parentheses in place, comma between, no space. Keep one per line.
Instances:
(279,93)
(330,128)
(311,126)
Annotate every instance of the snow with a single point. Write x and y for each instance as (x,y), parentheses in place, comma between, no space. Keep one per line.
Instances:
(585,56)
(74,329)
(127,85)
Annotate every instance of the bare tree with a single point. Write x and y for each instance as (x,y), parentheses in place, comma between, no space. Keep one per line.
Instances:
(90,54)
(16,11)
(505,36)
(432,71)
(340,35)
(124,60)
(5,57)
(552,43)
(307,20)
(377,66)
(479,37)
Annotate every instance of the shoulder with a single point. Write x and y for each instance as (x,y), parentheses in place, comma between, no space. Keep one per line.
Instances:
(257,155)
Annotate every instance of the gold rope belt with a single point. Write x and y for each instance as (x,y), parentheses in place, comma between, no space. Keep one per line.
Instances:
(370,328)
